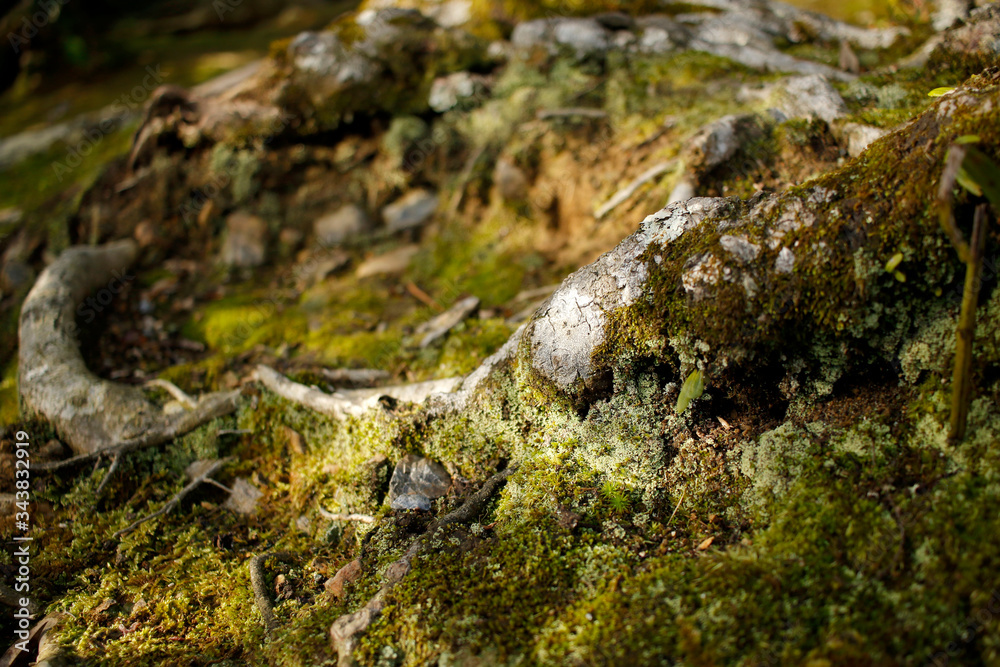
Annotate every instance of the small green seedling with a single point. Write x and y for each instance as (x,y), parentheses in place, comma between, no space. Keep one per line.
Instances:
(693,388)
(940,92)
(616,497)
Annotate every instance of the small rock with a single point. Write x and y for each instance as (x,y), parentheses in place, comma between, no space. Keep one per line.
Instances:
(511,182)
(810,96)
(342,225)
(717,142)
(145,234)
(416,481)
(584,36)
(392,262)
(451,13)
(244,245)
(243,499)
(316,268)
(785,262)
(412,501)
(859,137)
(295,441)
(448,92)
(345,575)
(448,320)
(412,210)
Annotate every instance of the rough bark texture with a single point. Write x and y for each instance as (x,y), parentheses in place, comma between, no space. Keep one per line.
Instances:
(90,413)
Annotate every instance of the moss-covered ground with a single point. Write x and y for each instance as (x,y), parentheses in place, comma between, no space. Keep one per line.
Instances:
(806,509)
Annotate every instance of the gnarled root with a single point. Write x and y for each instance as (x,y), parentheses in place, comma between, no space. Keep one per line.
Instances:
(92,415)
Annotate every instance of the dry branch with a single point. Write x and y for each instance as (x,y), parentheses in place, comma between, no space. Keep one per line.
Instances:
(623,195)
(259,584)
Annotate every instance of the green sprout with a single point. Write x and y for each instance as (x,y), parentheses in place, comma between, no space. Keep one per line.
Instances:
(693,388)
(616,496)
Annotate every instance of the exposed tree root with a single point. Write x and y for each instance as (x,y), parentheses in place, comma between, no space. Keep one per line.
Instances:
(347,629)
(352,402)
(209,407)
(91,414)
(260,592)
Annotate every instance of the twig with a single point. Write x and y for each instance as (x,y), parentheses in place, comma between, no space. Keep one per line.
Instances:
(218,485)
(107,478)
(679,503)
(348,628)
(174,391)
(463,181)
(961,390)
(622,195)
(423,297)
(330,516)
(570,112)
(178,497)
(476,502)
(260,593)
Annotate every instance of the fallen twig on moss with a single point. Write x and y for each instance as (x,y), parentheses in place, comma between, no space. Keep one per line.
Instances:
(107,477)
(623,195)
(330,516)
(178,497)
(347,629)
(260,593)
